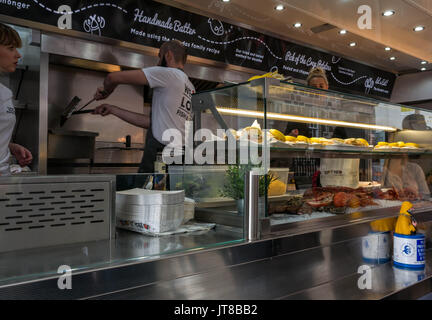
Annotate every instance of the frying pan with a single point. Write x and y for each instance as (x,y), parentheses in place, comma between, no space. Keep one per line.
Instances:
(71,110)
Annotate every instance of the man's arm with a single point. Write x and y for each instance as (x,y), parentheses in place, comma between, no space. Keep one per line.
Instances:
(134,77)
(136,119)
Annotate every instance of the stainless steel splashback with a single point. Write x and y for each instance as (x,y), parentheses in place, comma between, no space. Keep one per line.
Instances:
(67,82)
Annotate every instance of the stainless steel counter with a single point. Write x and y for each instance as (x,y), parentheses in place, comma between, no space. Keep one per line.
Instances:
(323,273)
(316,265)
(128,247)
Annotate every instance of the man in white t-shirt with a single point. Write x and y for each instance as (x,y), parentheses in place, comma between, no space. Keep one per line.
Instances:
(171,105)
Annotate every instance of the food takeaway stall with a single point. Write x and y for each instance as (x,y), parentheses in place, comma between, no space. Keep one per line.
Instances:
(318,208)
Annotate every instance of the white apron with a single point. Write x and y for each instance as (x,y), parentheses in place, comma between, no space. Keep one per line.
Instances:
(7,124)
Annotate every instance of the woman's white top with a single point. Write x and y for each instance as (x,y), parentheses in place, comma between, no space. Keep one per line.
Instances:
(7,124)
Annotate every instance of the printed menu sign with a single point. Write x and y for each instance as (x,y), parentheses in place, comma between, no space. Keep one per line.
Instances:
(151,23)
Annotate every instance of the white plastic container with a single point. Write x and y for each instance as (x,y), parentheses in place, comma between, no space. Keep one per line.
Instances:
(280,174)
(376,247)
(409,251)
(340,172)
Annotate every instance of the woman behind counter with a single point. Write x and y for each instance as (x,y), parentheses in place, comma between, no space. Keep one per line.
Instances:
(9,55)
(316,79)
(349,168)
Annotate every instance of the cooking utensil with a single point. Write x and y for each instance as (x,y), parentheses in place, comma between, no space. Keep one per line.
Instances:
(85,105)
(70,110)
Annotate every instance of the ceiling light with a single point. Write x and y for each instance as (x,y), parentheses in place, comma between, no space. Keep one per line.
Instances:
(387,49)
(424,62)
(279,7)
(393,58)
(225,0)
(297,24)
(342,32)
(388,13)
(294,118)
(353,44)
(423,69)
(419,28)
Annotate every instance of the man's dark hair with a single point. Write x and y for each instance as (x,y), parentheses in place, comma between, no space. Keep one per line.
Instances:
(178,50)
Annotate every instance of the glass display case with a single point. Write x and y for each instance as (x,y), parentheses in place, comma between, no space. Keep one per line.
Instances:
(324,154)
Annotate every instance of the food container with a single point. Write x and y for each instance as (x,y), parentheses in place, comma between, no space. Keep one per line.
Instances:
(280,174)
(376,247)
(340,172)
(149,211)
(409,251)
(151,219)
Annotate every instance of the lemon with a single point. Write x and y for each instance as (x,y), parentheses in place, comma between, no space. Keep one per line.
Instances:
(290,139)
(302,139)
(383,143)
(394,145)
(362,142)
(401,144)
(277,135)
(315,140)
(277,188)
(412,145)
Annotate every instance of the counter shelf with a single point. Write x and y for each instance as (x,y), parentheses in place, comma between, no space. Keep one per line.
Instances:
(323,151)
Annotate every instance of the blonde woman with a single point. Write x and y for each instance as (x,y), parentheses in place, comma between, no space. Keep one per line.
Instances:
(317,79)
(9,56)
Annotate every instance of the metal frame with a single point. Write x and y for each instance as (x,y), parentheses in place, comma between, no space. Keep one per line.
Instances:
(251,208)
(43,113)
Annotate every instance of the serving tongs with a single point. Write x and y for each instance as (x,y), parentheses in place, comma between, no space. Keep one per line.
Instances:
(71,109)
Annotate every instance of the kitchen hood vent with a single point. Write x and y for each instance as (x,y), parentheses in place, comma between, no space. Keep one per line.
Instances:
(323,28)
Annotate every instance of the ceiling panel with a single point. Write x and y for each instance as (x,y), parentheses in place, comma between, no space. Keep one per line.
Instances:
(409,47)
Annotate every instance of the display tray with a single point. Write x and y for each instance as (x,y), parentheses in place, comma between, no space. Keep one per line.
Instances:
(225,202)
(281,218)
(279,145)
(341,147)
(401,150)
